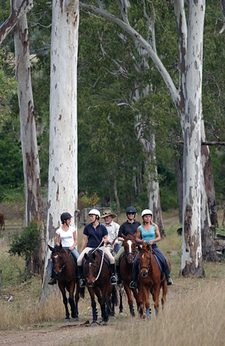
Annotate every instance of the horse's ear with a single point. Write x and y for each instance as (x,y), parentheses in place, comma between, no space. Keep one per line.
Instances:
(85,256)
(50,247)
(93,255)
(123,236)
(139,248)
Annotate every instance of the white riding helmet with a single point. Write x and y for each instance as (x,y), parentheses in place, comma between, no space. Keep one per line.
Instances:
(94,212)
(146,212)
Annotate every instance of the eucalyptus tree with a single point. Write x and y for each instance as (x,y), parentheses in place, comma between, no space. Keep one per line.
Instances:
(187,99)
(62,188)
(31,167)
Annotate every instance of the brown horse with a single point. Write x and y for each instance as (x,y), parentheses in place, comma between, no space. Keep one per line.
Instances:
(65,273)
(97,275)
(2,221)
(150,280)
(126,263)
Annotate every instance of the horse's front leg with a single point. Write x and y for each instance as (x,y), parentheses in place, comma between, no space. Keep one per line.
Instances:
(65,302)
(93,306)
(74,313)
(103,301)
(130,299)
(121,300)
(155,295)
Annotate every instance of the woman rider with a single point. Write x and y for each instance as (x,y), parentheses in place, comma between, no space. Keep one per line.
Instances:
(149,232)
(95,236)
(67,236)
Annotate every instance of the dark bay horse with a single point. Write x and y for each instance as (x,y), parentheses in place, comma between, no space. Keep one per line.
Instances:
(2,221)
(150,280)
(66,276)
(97,275)
(126,264)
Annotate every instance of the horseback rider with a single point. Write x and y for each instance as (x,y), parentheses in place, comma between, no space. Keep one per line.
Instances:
(95,235)
(128,227)
(149,232)
(113,229)
(67,236)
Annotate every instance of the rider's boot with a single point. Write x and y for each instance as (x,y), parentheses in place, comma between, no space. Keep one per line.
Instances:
(113,280)
(52,281)
(169,280)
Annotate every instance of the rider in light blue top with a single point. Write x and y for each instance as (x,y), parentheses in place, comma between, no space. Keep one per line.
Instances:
(150,234)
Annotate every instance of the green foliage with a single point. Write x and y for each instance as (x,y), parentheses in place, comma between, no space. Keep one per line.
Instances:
(26,242)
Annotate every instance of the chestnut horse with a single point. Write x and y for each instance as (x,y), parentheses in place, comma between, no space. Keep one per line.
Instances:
(97,275)
(126,264)
(150,280)
(66,276)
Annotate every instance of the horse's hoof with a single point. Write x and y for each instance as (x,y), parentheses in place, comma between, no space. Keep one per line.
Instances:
(67,320)
(121,313)
(104,323)
(112,317)
(94,324)
(76,319)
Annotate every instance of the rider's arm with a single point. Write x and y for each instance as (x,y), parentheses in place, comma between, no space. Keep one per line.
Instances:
(57,237)
(84,242)
(138,237)
(157,235)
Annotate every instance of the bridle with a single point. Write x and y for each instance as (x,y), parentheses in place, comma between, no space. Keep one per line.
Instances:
(91,263)
(130,255)
(60,253)
(142,253)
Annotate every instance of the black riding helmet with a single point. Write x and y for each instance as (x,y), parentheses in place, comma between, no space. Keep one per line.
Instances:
(65,216)
(130,210)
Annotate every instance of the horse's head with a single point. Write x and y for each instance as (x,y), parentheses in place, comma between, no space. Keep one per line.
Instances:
(59,257)
(91,267)
(144,259)
(130,247)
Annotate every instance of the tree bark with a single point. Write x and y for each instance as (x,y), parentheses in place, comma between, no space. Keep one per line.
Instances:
(16,13)
(31,168)
(62,189)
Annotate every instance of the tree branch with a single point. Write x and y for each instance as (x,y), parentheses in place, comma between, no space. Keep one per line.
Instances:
(16,14)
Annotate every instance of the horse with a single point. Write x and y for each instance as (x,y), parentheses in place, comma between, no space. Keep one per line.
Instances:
(97,275)
(150,280)
(2,221)
(126,264)
(66,276)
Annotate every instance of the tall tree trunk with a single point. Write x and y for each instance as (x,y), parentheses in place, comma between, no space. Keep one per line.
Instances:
(31,168)
(193,194)
(62,189)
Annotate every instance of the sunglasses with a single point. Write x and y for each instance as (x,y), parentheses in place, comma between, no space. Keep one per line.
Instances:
(131,213)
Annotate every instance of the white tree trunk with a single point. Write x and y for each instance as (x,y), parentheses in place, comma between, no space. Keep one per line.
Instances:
(62,189)
(31,168)
(193,180)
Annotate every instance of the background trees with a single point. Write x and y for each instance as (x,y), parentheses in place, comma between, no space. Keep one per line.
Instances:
(111,160)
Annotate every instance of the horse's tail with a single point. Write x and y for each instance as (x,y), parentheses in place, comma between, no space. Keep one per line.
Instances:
(114,296)
(82,292)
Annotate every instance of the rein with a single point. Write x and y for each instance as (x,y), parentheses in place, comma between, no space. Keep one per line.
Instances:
(102,259)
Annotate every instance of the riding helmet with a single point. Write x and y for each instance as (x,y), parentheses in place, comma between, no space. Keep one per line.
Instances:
(146,212)
(65,216)
(130,210)
(94,212)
